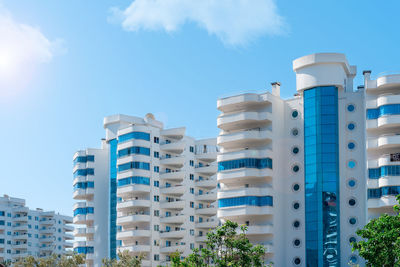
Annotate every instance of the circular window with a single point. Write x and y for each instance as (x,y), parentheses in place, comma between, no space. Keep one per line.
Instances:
(351,164)
(351,183)
(351,145)
(295,113)
(352,202)
(351,126)
(296,187)
(352,240)
(353,259)
(352,221)
(296,224)
(295,150)
(297,261)
(296,205)
(296,168)
(295,132)
(351,107)
(296,242)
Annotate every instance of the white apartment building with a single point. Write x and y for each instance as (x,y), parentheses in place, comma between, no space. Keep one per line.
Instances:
(25,232)
(383,141)
(294,170)
(160,191)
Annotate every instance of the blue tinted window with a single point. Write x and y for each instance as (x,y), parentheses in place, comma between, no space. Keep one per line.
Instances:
(83,159)
(245,163)
(83,172)
(113,199)
(351,145)
(134,135)
(83,185)
(392,109)
(83,211)
(134,165)
(391,170)
(350,108)
(84,250)
(246,200)
(383,191)
(351,183)
(351,126)
(134,180)
(134,150)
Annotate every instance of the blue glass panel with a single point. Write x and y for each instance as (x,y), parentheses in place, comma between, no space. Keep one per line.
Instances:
(246,200)
(83,172)
(245,163)
(83,211)
(113,198)
(133,135)
(134,180)
(391,109)
(134,165)
(383,191)
(383,171)
(134,150)
(83,159)
(83,185)
(321,157)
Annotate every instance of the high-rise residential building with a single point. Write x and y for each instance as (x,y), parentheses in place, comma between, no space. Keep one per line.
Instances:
(25,232)
(383,141)
(159,186)
(294,170)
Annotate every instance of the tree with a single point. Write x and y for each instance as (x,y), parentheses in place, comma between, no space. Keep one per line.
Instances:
(224,247)
(69,260)
(124,260)
(381,240)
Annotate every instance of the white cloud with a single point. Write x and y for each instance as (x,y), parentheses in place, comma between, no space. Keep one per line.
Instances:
(21,47)
(235,22)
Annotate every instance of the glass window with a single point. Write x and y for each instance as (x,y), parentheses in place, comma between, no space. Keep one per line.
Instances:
(295,150)
(296,187)
(350,107)
(391,109)
(297,261)
(296,242)
(134,150)
(295,113)
(245,163)
(351,183)
(134,165)
(134,135)
(245,200)
(295,132)
(352,221)
(134,180)
(296,224)
(351,164)
(296,168)
(351,126)
(351,145)
(352,240)
(352,202)
(296,205)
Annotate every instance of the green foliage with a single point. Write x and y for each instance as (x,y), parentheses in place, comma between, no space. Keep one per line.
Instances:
(381,240)
(124,260)
(70,260)
(224,247)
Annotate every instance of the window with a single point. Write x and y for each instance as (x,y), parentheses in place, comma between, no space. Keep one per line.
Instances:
(157,183)
(156,169)
(133,135)
(353,259)
(156,213)
(351,126)
(295,150)
(351,145)
(352,221)
(156,140)
(350,107)
(295,113)
(351,164)
(135,150)
(391,109)
(245,163)
(191,163)
(191,177)
(351,183)
(295,132)
(245,200)
(352,202)
(296,261)
(192,218)
(156,257)
(191,149)
(296,187)
(191,232)
(352,239)
(156,198)
(296,224)
(2,213)
(295,168)
(156,154)
(296,205)
(383,191)
(134,165)
(191,246)
(156,227)
(296,242)
(191,190)
(191,204)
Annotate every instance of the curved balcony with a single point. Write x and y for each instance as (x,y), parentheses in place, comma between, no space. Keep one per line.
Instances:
(133,172)
(174,161)
(206,211)
(383,181)
(175,147)
(211,224)
(387,99)
(173,176)
(174,205)
(244,210)
(136,249)
(135,203)
(245,153)
(260,230)
(47,222)
(131,234)
(132,189)
(206,183)
(200,239)
(384,122)
(172,249)
(174,219)
(244,175)
(79,219)
(47,239)
(383,160)
(81,179)
(133,219)
(83,232)
(81,194)
(49,231)
(242,102)
(245,191)
(388,81)
(20,228)
(242,139)
(383,202)
(133,157)
(207,170)
(384,141)
(22,219)
(133,142)
(207,157)
(172,234)
(173,190)
(243,120)
(176,133)
(206,197)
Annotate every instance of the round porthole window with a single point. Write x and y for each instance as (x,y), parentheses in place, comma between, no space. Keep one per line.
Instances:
(351,183)
(352,202)
(296,242)
(295,132)
(296,187)
(296,224)
(295,150)
(352,240)
(297,261)
(351,145)
(351,164)
(352,221)
(295,113)
(351,107)
(353,259)
(351,126)
(296,168)
(296,205)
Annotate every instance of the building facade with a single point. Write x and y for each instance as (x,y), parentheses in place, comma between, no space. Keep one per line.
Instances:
(160,191)
(25,232)
(294,170)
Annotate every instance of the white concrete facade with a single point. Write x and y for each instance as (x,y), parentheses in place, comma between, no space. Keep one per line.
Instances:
(25,232)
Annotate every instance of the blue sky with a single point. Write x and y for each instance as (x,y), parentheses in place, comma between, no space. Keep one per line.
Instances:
(74,62)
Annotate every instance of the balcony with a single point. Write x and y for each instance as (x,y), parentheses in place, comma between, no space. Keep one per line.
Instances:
(385,122)
(173,190)
(79,219)
(22,219)
(172,249)
(172,234)
(83,232)
(244,175)
(245,191)
(175,133)
(20,228)
(200,239)
(206,183)
(384,141)
(243,120)
(21,236)
(47,222)
(135,203)
(132,234)
(68,228)
(174,205)
(388,81)
(207,157)
(81,194)
(173,161)
(207,197)
(207,170)
(132,189)
(174,219)
(173,176)
(242,139)
(206,211)
(174,147)
(243,102)
(260,230)
(136,249)
(384,202)
(133,219)
(244,210)
(47,239)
